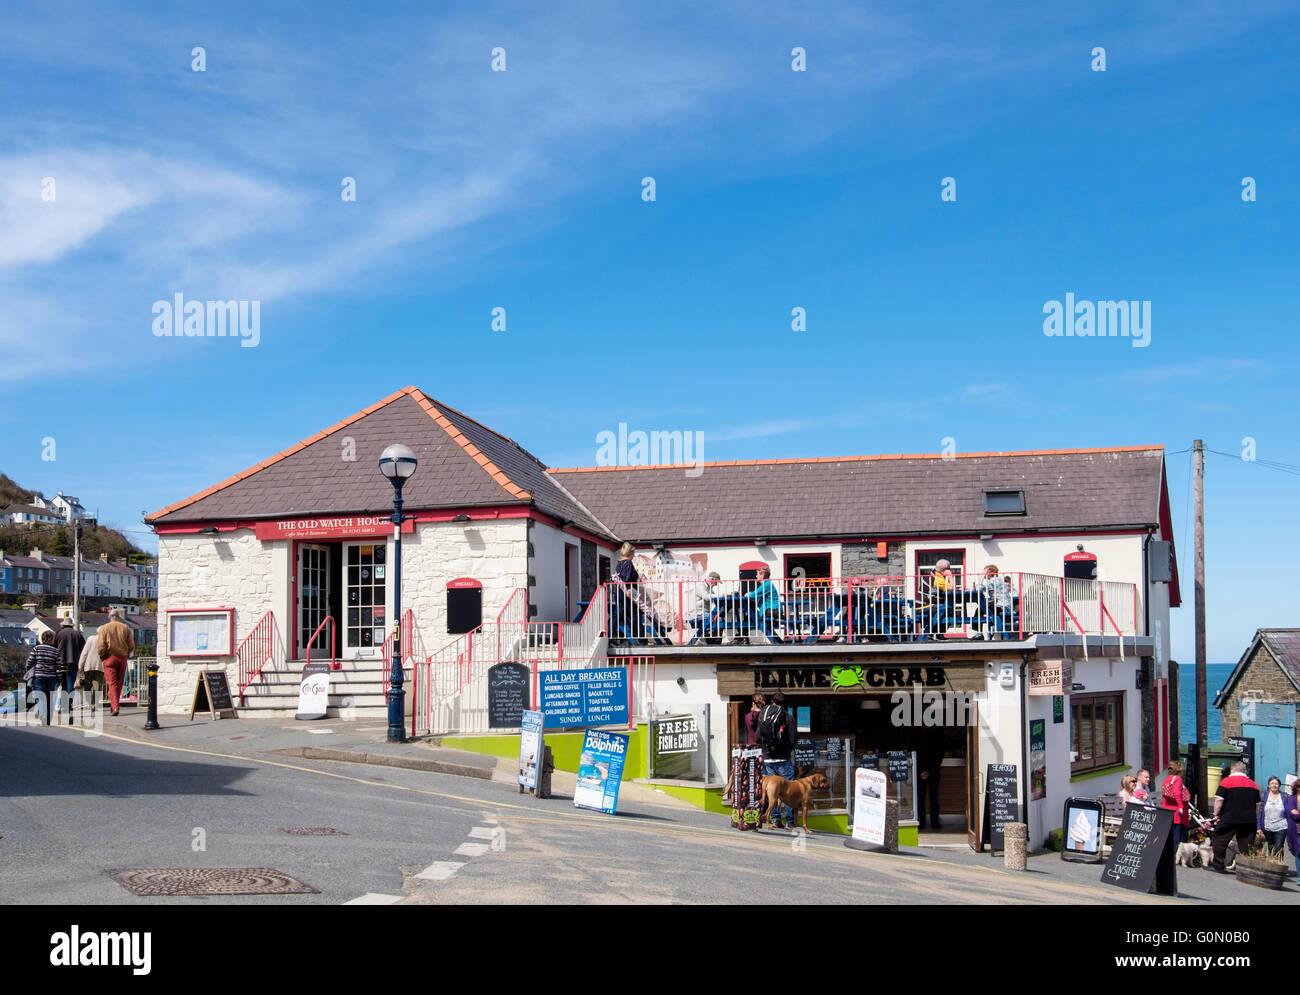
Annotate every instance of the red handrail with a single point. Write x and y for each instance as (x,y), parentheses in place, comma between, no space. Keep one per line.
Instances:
(386,651)
(259,646)
(334,664)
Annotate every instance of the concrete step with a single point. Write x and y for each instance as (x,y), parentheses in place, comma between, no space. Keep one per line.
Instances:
(354,683)
(332,712)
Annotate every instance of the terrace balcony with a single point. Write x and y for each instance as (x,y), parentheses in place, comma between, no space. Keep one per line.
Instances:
(896,612)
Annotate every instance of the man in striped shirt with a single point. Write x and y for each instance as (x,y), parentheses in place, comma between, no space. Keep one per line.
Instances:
(43,661)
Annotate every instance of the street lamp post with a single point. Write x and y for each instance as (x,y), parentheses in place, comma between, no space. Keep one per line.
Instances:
(397,463)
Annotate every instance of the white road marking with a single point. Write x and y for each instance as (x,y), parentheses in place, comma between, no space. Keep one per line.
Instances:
(482,832)
(321,732)
(440,870)
(472,849)
(374,898)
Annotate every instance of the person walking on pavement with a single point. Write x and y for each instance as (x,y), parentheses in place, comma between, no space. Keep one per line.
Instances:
(776,737)
(114,646)
(69,642)
(92,672)
(43,661)
(1236,806)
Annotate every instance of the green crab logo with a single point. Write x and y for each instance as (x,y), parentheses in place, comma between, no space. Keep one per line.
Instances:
(847,678)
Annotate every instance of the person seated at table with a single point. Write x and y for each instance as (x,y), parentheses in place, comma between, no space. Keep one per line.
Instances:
(765,604)
(937,593)
(704,613)
(995,602)
(625,601)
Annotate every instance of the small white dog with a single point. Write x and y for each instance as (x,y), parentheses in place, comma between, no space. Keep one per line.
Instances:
(1189,855)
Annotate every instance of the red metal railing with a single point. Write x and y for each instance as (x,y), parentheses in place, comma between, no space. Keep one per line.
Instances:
(327,620)
(256,650)
(408,640)
(896,608)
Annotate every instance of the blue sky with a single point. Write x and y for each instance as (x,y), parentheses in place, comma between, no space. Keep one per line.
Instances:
(775,189)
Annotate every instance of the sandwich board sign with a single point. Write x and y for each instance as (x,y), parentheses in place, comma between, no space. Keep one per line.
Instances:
(1081,837)
(600,771)
(531,754)
(870,789)
(1143,851)
(212,695)
(1001,806)
(314,691)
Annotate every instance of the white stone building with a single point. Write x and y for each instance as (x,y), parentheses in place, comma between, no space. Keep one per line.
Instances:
(295,558)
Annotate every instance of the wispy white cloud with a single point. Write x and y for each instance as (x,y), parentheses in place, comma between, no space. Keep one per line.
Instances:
(226,183)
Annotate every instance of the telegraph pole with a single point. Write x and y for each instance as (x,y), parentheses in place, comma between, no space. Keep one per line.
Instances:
(76,574)
(1202,720)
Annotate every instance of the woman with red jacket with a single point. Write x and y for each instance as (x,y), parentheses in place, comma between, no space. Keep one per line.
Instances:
(1174,795)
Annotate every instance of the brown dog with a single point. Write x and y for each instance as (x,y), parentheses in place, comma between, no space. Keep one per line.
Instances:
(777,790)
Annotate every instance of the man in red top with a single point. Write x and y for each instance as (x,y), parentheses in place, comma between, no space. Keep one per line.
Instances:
(1236,805)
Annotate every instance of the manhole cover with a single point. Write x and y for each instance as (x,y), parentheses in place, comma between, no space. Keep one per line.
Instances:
(210,881)
(312,831)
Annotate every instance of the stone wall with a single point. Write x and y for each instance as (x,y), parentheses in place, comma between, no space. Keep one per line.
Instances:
(1262,675)
(858,559)
(233,570)
(237,570)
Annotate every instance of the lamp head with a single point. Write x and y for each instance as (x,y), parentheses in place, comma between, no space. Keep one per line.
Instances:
(397,462)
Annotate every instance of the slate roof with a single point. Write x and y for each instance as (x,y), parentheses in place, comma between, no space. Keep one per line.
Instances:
(874,496)
(31,509)
(1283,645)
(463,464)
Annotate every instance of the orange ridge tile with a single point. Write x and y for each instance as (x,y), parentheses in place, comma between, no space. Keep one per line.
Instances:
(862,459)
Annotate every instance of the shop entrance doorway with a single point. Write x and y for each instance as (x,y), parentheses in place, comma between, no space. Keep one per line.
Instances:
(348,582)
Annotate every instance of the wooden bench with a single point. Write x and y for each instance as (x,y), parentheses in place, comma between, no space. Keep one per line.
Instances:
(1112,816)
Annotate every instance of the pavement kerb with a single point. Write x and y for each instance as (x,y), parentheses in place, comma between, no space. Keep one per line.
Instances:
(384,760)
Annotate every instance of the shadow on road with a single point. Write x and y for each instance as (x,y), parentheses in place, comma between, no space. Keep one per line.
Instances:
(35,762)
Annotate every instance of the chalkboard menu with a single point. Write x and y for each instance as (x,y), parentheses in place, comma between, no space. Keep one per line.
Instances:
(834,750)
(212,695)
(1143,851)
(804,755)
(871,761)
(507,695)
(900,765)
(1000,804)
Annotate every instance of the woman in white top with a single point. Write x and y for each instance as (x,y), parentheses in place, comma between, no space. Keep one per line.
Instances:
(1126,786)
(1272,815)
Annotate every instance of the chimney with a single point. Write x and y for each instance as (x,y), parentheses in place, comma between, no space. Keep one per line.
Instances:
(37,554)
(104,557)
(29,606)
